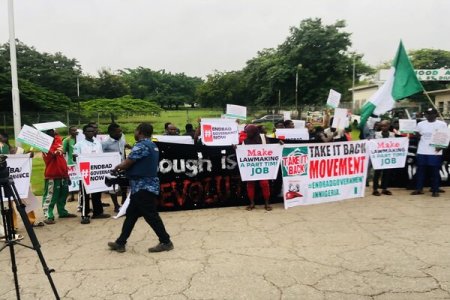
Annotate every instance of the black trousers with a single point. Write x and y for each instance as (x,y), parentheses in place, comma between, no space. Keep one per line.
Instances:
(97,207)
(385,177)
(143,204)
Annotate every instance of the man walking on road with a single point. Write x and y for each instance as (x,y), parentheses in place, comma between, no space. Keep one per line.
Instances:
(141,169)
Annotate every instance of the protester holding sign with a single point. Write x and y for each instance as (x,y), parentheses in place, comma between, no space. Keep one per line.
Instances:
(56,175)
(427,155)
(385,174)
(88,146)
(4,143)
(68,144)
(115,143)
(254,137)
(141,168)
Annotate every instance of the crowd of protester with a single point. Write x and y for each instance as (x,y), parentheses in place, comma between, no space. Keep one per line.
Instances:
(64,152)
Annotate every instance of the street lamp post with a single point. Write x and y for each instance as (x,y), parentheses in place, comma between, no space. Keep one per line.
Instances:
(14,80)
(299,66)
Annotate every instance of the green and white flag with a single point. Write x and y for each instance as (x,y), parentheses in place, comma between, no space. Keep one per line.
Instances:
(402,82)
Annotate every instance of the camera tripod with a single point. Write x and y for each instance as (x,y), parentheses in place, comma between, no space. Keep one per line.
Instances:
(8,196)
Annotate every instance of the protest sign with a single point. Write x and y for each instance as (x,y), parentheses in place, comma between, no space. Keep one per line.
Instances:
(340,119)
(257,162)
(298,124)
(19,166)
(407,126)
(333,99)
(49,125)
(236,112)
(219,132)
(286,115)
(388,153)
(318,173)
(178,139)
(93,169)
(440,138)
(35,138)
(292,134)
(75,178)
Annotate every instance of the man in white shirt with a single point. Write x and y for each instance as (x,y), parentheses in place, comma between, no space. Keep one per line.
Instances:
(88,146)
(427,155)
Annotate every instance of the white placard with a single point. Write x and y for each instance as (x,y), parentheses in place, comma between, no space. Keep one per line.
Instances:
(20,166)
(75,178)
(236,112)
(440,138)
(176,139)
(340,120)
(333,99)
(221,132)
(35,138)
(93,169)
(292,134)
(299,124)
(258,162)
(407,125)
(286,115)
(49,125)
(388,153)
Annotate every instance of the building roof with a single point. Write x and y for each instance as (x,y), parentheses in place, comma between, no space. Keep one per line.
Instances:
(364,87)
(444,91)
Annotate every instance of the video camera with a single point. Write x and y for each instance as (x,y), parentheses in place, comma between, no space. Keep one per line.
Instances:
(116,178)
(4,171)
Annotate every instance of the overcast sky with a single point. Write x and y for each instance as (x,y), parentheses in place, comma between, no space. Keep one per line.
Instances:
(199,36)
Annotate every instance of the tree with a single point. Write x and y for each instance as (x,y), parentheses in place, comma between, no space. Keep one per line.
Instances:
(223,88)
(54,72)
(110,85)
(431,59)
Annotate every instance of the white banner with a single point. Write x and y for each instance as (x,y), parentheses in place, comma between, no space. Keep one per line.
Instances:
(219,132)
(292,134)
(19,166)
(407,125)
(333,99)
(93,169)
(257,162)
(176,139)
(318,173)
(236,112)
(388,153)
(75,178)
(440,138)
(35,138)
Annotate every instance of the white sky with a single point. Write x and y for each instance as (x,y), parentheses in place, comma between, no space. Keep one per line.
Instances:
(199,36)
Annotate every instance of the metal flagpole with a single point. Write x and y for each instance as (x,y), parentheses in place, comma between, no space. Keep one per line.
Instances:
(14,80)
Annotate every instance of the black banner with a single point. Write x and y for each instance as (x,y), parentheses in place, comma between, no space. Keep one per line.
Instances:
(198,176)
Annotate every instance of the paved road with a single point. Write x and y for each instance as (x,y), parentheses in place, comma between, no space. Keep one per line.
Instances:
(389,247)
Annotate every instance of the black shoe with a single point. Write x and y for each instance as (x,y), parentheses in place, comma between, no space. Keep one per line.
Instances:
(435,194)
(376,193)
(116,247)
(106,204)
(417,192)
(85,220)
(101,216)
(68,216)
(439,190)
(386,192)
(161,247)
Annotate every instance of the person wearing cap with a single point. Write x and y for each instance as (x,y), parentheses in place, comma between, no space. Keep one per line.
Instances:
(427,155)
(56,187)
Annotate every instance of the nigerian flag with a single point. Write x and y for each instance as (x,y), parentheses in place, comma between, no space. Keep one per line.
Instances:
(402,82)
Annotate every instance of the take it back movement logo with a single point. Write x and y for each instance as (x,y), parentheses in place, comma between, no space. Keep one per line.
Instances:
(207,133)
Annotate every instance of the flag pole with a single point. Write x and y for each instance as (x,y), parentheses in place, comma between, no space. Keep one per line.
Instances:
(432,104)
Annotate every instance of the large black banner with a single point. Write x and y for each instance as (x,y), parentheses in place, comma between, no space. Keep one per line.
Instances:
(197,176)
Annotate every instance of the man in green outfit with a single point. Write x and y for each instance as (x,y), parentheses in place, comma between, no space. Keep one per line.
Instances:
(68,144)
(56,186)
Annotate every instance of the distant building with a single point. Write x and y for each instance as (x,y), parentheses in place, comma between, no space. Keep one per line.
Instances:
(442,100)
(361,94)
